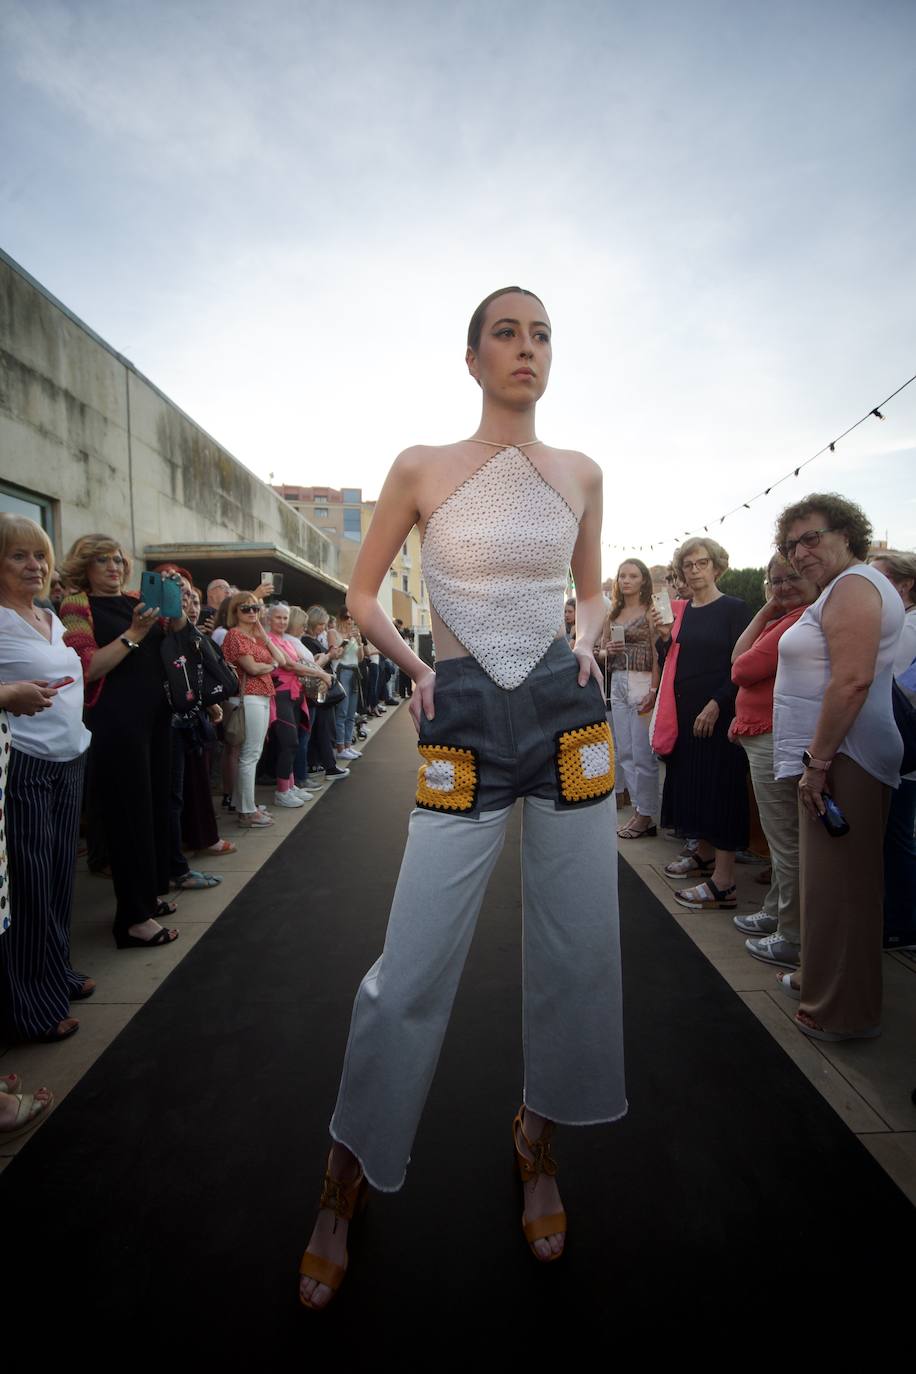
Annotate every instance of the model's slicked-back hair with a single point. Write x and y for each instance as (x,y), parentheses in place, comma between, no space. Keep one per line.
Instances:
(475,328)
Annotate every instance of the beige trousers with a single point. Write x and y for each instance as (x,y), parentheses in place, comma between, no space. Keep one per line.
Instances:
(842,901)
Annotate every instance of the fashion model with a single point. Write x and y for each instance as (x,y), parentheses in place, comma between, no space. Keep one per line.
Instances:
(511,711)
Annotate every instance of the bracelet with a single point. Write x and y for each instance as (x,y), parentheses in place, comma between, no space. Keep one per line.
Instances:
(130,644)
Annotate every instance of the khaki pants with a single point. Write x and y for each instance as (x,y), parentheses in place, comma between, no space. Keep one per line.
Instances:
(842,897)
(777,802)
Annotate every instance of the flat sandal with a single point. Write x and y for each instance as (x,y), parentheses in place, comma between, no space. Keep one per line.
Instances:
(542,1163)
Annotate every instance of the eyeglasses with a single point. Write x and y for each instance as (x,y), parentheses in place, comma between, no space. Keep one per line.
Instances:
(102,560)
(697,564)
(247,609)
(810,539)
(777,582)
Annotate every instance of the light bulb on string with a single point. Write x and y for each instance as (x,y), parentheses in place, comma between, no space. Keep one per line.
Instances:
(877,414)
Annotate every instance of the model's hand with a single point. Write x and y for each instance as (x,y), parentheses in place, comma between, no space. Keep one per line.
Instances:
(705,722)
(423,698)
(811,788)
(26,698)
(588,667)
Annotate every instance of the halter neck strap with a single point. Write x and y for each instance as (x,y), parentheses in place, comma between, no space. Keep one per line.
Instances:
(493,443)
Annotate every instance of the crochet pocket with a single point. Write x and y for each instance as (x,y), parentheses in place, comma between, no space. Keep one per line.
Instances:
(448,778)
(585,763)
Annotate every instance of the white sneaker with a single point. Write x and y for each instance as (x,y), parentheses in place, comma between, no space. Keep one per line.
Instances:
(301,793)
(349,754)
(289,798)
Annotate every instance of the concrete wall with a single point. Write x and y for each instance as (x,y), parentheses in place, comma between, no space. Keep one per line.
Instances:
(79,424)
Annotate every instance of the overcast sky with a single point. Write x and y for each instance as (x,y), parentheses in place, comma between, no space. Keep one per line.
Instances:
(284,214)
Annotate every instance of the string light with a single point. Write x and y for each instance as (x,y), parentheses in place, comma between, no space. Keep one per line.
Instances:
(875,412)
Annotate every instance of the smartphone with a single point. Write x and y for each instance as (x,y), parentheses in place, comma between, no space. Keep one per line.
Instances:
(267,579)
(662,603)
(835,823)
(62,682)
(618,634)
(161,592)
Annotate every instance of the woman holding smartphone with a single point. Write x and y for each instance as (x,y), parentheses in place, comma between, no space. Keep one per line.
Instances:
(510,711)
(44,743)
(118,640)
(627,652)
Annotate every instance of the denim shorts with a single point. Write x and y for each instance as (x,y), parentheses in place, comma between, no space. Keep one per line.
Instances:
(487,746)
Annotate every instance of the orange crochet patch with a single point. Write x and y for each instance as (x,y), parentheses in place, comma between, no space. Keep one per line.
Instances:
(448,777)
(585,762)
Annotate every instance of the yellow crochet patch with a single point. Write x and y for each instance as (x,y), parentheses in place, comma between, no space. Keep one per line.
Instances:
(448,777)
(585,762)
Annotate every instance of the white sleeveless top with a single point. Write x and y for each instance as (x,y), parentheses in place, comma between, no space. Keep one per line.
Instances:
(801,680)
(495,557)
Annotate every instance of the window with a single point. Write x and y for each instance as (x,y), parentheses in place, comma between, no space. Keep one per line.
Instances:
(406,551)
(321,512)
(18,501)
(351,524)
(351,496)
(405,583)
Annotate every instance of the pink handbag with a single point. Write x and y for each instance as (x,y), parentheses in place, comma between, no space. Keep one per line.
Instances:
(663,725)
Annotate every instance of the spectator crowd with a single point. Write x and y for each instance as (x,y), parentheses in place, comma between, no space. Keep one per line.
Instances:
(116,715)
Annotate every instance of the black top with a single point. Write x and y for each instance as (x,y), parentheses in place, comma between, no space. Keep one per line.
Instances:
(133,693)
(704,666)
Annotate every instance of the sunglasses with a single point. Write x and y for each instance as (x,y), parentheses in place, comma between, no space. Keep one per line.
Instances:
(247,609)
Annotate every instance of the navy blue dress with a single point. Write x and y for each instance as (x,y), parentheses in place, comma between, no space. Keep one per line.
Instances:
(705,794)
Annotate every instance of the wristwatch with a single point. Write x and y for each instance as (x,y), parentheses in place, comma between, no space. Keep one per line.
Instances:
(129,643)
(820,764)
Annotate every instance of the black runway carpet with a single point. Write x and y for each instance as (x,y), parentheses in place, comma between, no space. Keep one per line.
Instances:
(164,1206)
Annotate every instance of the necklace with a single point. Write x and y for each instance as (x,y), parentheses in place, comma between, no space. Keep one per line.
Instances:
(494,444)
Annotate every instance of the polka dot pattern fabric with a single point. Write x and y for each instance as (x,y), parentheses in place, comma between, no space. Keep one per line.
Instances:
(495,557)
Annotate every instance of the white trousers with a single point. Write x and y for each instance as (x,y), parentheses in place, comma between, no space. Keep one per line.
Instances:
(572,1029)
(637,766)
(257,719)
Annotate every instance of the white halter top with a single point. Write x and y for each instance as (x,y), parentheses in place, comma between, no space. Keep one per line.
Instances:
(495,558)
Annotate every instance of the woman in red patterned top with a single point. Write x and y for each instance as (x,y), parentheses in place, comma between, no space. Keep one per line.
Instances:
(248,647)
(774,932)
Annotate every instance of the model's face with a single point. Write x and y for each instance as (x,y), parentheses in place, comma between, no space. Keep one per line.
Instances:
(814,550)
(788,588)
(23,571)
(904,585)
(699,571)
(106,572)
(512,361)
(279,620)
(629,579)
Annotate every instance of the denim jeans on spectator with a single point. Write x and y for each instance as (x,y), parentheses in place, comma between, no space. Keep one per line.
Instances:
(900,867)
(346,709)
(300,764)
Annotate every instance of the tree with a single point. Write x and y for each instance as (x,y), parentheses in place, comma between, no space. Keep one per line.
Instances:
(746,583)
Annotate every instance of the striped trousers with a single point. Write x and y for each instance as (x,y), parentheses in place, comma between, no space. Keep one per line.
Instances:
(42,825)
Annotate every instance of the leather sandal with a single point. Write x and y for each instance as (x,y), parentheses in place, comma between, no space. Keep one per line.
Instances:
(345,1200)
(689,863)
(707,897)
(633,832)
(542,1163)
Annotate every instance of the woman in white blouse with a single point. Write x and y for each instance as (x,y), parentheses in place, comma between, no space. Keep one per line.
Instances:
(44,790)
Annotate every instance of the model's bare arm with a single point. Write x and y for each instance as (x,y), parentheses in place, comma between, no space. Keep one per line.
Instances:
(395,515)
(586,566)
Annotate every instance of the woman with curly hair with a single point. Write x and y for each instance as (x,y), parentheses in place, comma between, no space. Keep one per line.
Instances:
(627,652)
(705,779)
(833,730)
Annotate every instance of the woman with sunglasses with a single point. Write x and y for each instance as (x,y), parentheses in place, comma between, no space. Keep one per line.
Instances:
(255,656)
(705,793)
(774,933)
(834,734)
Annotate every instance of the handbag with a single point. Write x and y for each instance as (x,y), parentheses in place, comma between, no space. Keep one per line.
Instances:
(335,694)
(663,725)
(234,728)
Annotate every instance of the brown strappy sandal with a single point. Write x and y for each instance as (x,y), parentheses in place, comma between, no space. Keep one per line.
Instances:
(542,1163)
(345,1200)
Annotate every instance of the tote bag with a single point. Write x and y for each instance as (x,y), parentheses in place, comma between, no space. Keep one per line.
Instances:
(663,725)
